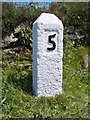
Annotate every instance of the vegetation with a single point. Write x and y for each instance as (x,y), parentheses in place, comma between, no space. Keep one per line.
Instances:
(9,18)
(24,37)
(74,14)
(17,100)
(17,90)
(14,15)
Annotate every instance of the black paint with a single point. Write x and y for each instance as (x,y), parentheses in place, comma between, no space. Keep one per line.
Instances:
(52,42)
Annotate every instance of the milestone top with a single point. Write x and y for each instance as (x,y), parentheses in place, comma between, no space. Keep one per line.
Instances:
(48,18)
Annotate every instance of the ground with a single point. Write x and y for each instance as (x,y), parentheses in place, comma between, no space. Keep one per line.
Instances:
(17,99)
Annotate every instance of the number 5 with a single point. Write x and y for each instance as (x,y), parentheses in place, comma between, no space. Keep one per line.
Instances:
(52,42)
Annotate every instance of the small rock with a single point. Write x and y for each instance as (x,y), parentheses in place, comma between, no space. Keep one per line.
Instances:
(86,59)
(7,40)
(17,29)
(73,36)
(9,51)
(18,48)
(71,29)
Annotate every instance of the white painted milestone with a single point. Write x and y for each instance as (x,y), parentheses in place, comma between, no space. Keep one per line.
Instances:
(47,55)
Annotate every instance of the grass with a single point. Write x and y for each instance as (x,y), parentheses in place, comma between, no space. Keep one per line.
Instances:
(17,89)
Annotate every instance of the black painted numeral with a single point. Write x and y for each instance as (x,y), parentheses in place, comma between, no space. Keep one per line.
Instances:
(52,42)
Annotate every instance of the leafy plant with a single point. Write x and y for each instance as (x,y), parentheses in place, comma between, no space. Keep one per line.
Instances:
(13,16)
(24,37)
(9,18)
(74,14)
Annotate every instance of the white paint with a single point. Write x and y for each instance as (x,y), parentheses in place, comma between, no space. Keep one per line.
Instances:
(47,65)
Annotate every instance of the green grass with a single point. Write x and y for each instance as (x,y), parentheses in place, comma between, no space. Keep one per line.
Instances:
(17,90)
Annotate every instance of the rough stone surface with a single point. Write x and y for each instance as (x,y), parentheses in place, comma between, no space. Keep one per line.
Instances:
(47,64)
